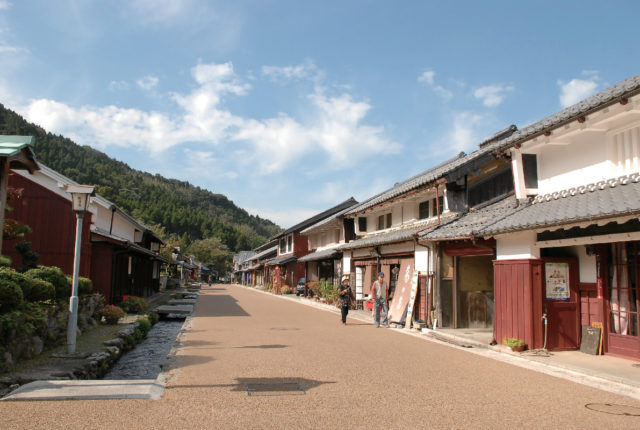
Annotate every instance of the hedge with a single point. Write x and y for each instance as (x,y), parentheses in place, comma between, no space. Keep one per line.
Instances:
(11,297)
(55,276)
(33,290)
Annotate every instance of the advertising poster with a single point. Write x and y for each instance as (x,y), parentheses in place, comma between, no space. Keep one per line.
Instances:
(557,277)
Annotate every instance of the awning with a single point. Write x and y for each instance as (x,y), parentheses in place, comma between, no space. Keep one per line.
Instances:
(325,254)
(280,260)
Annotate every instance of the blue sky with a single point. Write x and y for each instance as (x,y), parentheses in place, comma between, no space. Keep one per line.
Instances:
(290,107)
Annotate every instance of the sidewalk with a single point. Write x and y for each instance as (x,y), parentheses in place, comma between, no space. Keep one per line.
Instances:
(616,375)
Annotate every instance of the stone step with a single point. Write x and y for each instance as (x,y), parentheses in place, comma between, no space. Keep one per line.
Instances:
(174,309)
(173,302)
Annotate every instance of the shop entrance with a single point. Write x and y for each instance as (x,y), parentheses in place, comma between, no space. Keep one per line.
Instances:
(561,304)
(474,291)
(624,299)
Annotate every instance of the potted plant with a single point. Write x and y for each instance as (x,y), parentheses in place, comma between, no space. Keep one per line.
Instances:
(514,344)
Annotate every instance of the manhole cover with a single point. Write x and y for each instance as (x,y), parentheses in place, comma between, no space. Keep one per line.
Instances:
(275,389)
(613,409)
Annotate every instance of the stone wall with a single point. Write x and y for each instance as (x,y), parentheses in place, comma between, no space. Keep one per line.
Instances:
(19,344)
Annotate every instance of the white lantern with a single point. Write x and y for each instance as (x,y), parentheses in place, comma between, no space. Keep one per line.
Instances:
(80,196)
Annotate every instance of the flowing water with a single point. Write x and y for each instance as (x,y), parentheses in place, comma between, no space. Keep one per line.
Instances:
(147,359)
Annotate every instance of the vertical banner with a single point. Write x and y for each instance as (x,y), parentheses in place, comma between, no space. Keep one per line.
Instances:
(412,299)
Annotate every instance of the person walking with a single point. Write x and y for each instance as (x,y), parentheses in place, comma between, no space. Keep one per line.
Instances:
(345,296)
(379,295)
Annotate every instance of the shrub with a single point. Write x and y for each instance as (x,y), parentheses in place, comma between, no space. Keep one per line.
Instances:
(55,276)
(112,314)
(513,342)
(135,305)
(153,317)
(11,297)
(33,290)
(285,289)
(328,290)
(5,261)
(144,325)
(85,285)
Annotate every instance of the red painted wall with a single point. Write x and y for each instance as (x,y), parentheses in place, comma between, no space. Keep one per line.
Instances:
(53,226)
(518,301)
(101,266)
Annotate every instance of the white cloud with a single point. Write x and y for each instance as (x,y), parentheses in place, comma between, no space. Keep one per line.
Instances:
(335,127)
(284,218)
(199,163)
(148,82)
(159,11)
(4,5)
(465,135)
(118,86)
(307,70)
(578,89)
(428,78)
(492,95)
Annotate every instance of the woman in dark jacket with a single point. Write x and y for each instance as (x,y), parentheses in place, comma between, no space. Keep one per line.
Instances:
(345,296)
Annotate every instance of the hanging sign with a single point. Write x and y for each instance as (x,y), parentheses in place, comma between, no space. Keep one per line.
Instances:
(557,281)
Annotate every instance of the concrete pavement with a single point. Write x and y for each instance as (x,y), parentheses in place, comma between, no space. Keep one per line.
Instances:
(353,376)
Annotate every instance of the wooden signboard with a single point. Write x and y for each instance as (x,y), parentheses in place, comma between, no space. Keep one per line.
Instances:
(601,327)
(590,340)
(412,299)
(402,295)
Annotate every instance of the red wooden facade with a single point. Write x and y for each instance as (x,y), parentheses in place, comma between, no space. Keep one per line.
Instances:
(53,226)
(518,301)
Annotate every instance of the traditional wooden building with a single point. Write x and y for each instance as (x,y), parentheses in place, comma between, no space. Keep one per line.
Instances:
(567,256)
(292,245)
(119,254)
(324,261)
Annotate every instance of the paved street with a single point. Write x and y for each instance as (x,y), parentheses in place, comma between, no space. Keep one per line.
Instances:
(353,376)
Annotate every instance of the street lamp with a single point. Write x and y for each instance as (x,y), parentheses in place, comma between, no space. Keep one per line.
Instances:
(80,203)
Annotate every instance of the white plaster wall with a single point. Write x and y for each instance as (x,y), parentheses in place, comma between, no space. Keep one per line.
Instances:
(421,258)
(364,252)
(397,215)
(586,263)
(122,228)
(397,247)
(584,161)
(346,263)
(516,246)
(102,219)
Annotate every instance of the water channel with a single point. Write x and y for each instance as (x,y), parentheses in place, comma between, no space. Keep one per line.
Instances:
(149,357)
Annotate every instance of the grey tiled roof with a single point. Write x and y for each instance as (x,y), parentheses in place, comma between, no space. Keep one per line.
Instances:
(415,181)
(626,88)
(604,199)
(399,235)
(314,219)
(320,255)
(328,219)
(244,256)
(273,250)
(280,260)
(468,225)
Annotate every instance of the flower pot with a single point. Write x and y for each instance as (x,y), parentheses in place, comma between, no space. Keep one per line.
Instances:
(518,348)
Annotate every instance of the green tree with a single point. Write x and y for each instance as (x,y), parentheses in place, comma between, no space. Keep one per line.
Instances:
(212,253)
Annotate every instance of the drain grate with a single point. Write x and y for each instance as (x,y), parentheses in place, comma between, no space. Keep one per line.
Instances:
(275,389)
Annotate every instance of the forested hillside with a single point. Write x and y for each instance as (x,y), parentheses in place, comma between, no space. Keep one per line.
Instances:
(186,212)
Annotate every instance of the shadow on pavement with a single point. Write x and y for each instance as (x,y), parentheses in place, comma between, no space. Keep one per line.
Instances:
(265,386)
(222,305)
(262,346)
(195,343)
